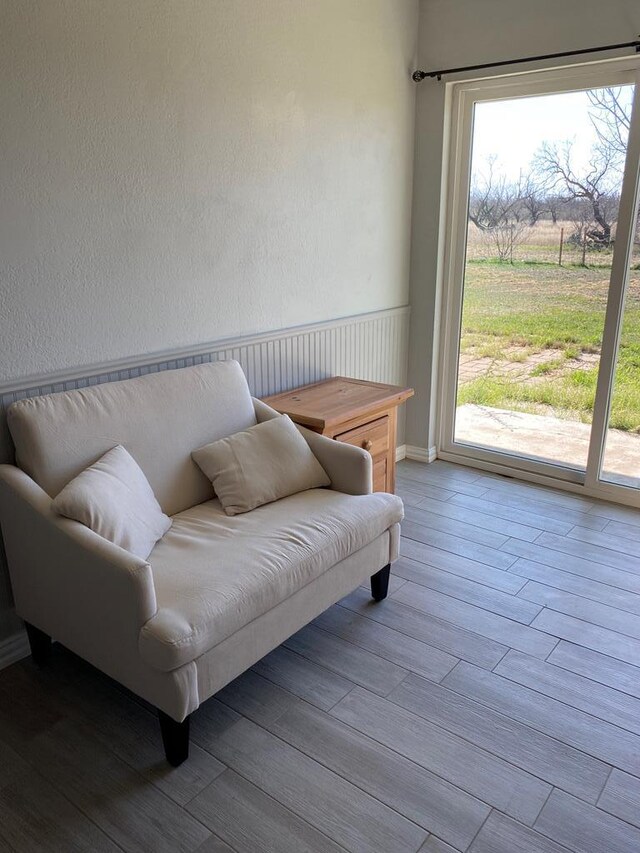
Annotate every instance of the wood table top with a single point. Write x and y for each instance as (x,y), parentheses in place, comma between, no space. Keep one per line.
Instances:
(336,400)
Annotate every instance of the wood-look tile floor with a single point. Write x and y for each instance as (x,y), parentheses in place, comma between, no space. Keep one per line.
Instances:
(491,704)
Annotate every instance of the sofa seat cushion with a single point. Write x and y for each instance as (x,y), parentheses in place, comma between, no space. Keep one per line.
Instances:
(214,574)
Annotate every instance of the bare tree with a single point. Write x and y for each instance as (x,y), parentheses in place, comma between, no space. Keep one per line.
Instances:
(532,197)
(593,183)
(506,236)
(493,199)
(560,184)
(611,119)
(581,214)
(484,197)
(554,204)
(612,122)
(503,210)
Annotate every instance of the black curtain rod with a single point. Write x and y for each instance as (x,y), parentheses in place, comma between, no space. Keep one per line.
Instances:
(418,76)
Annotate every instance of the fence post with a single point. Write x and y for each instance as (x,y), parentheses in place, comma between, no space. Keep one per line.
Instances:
(560,251)
(584,246)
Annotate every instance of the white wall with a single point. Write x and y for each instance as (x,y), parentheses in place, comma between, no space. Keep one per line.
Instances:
(465,32)
(179,171)
(174,172)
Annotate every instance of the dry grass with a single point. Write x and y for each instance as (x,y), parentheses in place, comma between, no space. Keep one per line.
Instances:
(532,308)
(541,245)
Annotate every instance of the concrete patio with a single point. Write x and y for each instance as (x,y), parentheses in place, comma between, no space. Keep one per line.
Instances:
(550,439)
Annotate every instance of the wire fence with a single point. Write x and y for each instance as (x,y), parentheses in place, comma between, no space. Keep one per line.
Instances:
(543,243)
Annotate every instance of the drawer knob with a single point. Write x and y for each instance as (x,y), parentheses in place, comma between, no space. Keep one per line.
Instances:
(367,444)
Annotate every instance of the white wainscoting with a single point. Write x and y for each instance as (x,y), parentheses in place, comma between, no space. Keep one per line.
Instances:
(367,346)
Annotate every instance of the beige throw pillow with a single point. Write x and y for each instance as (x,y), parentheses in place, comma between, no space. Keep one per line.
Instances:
(259,465)
(113,497)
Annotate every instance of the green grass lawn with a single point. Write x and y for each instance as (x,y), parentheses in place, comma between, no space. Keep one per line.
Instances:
(514,311)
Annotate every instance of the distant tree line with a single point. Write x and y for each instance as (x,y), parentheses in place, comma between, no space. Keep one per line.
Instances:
(556,186)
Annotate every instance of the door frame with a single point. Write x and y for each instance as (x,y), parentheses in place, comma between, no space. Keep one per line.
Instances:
(462,97)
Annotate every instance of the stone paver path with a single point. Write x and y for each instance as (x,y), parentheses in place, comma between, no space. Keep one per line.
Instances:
(472,366)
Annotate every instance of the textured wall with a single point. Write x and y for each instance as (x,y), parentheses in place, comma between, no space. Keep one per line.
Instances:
(177,171)
(466,32)
(174,172)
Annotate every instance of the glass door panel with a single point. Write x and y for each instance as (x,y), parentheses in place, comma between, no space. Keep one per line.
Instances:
(621,459)
(546,177)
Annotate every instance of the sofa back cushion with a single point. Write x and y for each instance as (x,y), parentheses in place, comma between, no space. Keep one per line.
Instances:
(159,418)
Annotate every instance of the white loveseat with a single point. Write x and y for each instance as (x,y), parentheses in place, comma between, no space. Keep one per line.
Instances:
(217,592)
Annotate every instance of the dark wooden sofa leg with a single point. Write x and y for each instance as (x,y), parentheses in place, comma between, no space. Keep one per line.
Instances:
(380,583)
(40,644)
(175,737)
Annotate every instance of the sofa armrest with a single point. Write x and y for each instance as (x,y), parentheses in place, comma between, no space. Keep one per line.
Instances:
(68,581)
(349,468)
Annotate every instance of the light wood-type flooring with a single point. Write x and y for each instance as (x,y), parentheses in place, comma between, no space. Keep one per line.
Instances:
(491,704)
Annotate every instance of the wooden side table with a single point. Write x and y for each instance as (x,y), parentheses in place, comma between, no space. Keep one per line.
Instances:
(353,411)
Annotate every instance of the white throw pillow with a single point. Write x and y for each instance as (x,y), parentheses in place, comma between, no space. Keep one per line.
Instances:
(113,497)
(259,465)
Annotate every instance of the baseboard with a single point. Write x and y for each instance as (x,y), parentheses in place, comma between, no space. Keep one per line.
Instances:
(420,454)
(401,452)
(13,649)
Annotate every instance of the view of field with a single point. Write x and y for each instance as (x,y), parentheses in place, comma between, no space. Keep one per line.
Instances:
(532,330)
(543,205)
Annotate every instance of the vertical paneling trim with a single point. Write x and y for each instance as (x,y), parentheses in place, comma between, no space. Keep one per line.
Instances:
(368,346)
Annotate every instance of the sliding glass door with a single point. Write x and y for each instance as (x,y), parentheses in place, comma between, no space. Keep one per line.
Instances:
(541,357)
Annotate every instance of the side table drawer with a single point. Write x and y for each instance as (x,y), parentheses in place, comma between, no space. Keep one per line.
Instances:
(373,436)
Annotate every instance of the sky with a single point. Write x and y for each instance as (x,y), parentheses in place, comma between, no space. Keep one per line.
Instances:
(514,129)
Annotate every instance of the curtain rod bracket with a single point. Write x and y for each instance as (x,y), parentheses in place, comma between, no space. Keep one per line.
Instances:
(419,75)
